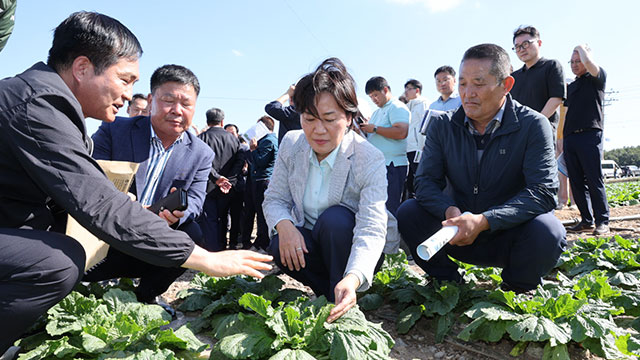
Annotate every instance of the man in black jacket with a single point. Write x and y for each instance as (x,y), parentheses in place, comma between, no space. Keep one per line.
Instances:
(46,170)
(225,170)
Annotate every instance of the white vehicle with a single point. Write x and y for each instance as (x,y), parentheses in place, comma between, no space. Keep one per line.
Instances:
(610,169)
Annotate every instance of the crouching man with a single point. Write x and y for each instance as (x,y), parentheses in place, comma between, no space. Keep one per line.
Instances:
(498,158)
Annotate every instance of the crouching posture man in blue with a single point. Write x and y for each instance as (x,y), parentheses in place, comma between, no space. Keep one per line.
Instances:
(498,158)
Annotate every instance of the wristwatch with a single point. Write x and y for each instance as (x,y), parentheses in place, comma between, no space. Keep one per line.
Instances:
(375,128)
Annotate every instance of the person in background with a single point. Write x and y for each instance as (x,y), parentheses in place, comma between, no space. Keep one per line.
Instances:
(327,193)
(138,106)
(445,77)
(287,115)
(583,141)
(227,165)
(496,158)
(170,158)
(387,130)
(418,106)
(263,159)
(539,83)
(237,204)
(46,172)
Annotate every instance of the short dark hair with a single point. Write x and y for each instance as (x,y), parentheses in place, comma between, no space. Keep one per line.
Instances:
(214,116)
(376,83)
(102,39)
(445,69)
(500,64)
(268,122)
(526,30)
(174,73)
(331,77)
(137,96)
(415,83)
(233,126)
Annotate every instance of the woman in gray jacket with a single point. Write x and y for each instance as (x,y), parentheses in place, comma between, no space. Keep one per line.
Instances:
(327,195)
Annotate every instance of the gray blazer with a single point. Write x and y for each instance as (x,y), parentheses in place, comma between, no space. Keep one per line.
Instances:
(358,182)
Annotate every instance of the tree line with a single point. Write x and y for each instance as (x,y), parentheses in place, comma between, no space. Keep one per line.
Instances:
(628,155)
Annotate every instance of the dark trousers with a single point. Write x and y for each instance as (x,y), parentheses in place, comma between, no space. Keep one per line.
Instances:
(258,189)
(235,214)
(582,153)
(223,205)
(329,245)
(395,182)
(409,191)
(208,222)
(154,280)
(248,216)
(37,270)
(525,252)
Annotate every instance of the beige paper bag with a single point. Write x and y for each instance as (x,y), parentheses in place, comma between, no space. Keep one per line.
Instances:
(121,173)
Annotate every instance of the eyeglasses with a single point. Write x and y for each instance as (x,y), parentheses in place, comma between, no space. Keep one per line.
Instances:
(524,45)
(574,62)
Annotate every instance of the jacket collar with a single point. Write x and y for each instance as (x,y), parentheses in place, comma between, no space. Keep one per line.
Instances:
(510,122)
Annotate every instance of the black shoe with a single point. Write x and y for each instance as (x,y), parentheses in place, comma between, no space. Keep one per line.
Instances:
(158,301)
(506,288)
(601,229)
(582,226)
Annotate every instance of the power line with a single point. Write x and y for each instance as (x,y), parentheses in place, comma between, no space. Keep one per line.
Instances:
(233,98)
(305,26)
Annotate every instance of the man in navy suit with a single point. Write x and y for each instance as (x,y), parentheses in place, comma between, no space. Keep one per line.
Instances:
(170,158)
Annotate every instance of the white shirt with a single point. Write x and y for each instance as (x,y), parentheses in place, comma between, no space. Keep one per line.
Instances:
(418,108)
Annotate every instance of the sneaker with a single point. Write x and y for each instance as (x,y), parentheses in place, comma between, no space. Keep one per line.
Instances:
(560,207)
(168,308)
(601,229)
(582,226)
(11,353)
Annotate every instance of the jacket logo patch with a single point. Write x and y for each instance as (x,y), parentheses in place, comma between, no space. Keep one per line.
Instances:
(503,151)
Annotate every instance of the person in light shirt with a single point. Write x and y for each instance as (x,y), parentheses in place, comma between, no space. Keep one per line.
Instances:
(327,194)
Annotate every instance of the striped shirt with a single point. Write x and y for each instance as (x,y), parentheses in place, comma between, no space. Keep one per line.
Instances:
(158,158)
(483,139)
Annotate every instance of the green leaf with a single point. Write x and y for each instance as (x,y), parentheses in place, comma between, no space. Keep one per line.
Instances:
(314,336)
(290,354)
(195,301)
(506,298)
(257,303)
(558,352)
(583,326)
(118,300)
(94,344)
(563,306)
(628,279)
(370,302)
(483,329)
(492,312)
(519,349)
(534,328)
(443,325)
(246,345)
(408,318)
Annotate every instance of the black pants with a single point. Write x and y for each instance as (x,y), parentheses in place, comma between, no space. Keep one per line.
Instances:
(154,280)
(37,270)
(258,189)
(582,153)
(409,191)
(248,216)
(235,214)
(525,252)
(329,246)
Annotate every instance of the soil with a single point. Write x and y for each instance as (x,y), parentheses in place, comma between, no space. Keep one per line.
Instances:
(420,343)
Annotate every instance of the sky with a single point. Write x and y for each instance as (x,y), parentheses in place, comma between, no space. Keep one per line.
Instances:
(246,53)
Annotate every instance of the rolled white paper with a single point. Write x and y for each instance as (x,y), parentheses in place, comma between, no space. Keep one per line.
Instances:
(433,244)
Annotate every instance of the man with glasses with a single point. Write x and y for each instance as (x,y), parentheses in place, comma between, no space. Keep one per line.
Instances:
(418,105)
(539,84)
(583,141)
(445,84)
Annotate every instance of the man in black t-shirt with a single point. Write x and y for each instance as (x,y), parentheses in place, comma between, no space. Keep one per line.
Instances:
(583,140)
(539,84)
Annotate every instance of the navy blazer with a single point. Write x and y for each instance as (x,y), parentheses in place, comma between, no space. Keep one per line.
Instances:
(188,167)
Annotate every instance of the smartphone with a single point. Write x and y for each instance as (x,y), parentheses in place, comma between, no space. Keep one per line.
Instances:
(177,200)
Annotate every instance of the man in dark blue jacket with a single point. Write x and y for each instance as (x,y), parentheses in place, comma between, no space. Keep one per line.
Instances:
(498,160)
(263,159)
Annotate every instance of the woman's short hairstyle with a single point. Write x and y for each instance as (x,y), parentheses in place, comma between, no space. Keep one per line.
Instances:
(102,39)
(331,77)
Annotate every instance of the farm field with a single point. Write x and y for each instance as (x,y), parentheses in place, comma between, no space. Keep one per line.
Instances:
(441,329)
